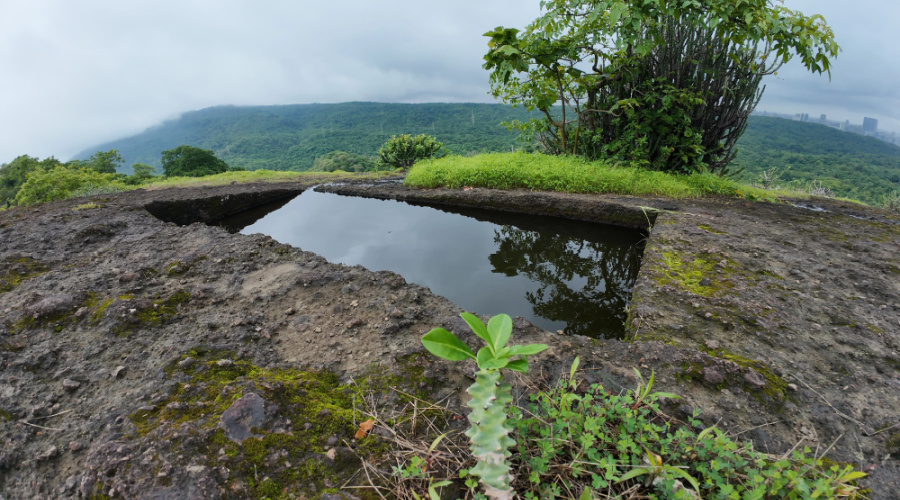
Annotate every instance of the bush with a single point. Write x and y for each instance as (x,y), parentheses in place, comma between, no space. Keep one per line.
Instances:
(403,151)
(595,443)
(60,183)
(342,160)
(188,161)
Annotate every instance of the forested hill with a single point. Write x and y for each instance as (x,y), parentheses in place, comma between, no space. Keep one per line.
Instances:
(291,137)
(851,165)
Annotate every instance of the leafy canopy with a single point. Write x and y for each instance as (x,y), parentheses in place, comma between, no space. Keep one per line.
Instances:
(650,73)
(404,150)
(189,161)
(61,182)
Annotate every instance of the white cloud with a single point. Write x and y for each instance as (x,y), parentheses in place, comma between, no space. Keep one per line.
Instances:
(76,74)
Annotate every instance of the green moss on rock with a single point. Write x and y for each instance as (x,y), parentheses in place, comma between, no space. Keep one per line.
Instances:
(302,449)
(15,271)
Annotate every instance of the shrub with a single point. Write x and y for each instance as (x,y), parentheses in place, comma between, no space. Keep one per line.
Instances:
(188,161)
(595,444)
(403,151)
(60,183)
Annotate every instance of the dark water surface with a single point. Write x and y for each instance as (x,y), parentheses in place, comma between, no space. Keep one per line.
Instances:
(558,273)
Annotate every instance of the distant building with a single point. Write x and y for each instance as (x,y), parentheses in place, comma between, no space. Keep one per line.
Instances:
(823,118)
(870,125)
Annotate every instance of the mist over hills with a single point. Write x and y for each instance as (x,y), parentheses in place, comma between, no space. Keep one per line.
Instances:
(291,137)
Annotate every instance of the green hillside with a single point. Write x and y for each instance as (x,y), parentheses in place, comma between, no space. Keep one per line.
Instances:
(292,137)
(851,165)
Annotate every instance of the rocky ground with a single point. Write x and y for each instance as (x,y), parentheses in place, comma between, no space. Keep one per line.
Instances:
(138,355)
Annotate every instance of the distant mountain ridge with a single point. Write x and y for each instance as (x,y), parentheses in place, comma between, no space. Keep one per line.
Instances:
(291,137)
(800,153)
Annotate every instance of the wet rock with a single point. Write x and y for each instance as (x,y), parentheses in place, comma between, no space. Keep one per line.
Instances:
(48,454)
(521,323)
(756,380)
(247,412)
(70,385)
(713,376)
(53,305)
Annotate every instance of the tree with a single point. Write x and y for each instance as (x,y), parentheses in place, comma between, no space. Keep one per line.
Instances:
(14,174)
(105,162)
(667,84)
(404,150)
(342,160)
(61,182)
(188,161)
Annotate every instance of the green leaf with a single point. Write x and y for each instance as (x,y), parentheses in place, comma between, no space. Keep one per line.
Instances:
(518,365)
(444,344)
(487,361)
(574,367)
(634,473)
(526,350)
(499,328)
(478,327)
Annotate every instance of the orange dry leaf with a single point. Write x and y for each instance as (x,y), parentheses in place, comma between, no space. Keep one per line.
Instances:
(364,428)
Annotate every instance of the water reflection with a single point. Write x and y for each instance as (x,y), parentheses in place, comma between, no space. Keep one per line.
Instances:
(583,283)
(557,273)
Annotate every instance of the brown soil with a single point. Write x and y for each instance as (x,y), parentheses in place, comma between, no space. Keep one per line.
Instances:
(781,324)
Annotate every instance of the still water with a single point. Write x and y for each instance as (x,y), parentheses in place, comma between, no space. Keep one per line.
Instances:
(558,273)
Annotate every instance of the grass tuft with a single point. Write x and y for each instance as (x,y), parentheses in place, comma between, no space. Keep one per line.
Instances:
(572,174)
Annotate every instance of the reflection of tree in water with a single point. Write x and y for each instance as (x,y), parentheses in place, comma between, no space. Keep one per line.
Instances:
(598,309)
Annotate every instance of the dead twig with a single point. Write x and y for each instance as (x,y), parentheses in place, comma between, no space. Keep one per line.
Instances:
(40,426)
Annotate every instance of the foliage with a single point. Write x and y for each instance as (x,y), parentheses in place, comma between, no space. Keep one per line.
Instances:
(14,173)
(798,153)
(489,431)
(891,201)
(576,443)
(60,183)
(344,161)
(190,161)
(669,83)
(104,162)
(143,172)
(574,175)
(292,137)
(405,150)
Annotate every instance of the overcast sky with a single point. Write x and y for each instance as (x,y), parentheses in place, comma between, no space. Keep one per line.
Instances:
(79,73)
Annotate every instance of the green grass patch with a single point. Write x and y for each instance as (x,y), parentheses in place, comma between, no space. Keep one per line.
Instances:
(259,176)
(573,174)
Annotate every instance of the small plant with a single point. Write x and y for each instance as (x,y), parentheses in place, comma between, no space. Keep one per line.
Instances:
(489,431)
(891,201)
(817,189)
(588,443)
(403,151)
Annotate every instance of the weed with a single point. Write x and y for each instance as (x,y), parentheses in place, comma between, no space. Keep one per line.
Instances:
(489,431)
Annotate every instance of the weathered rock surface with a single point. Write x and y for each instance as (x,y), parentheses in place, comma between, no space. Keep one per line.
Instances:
(778,322)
